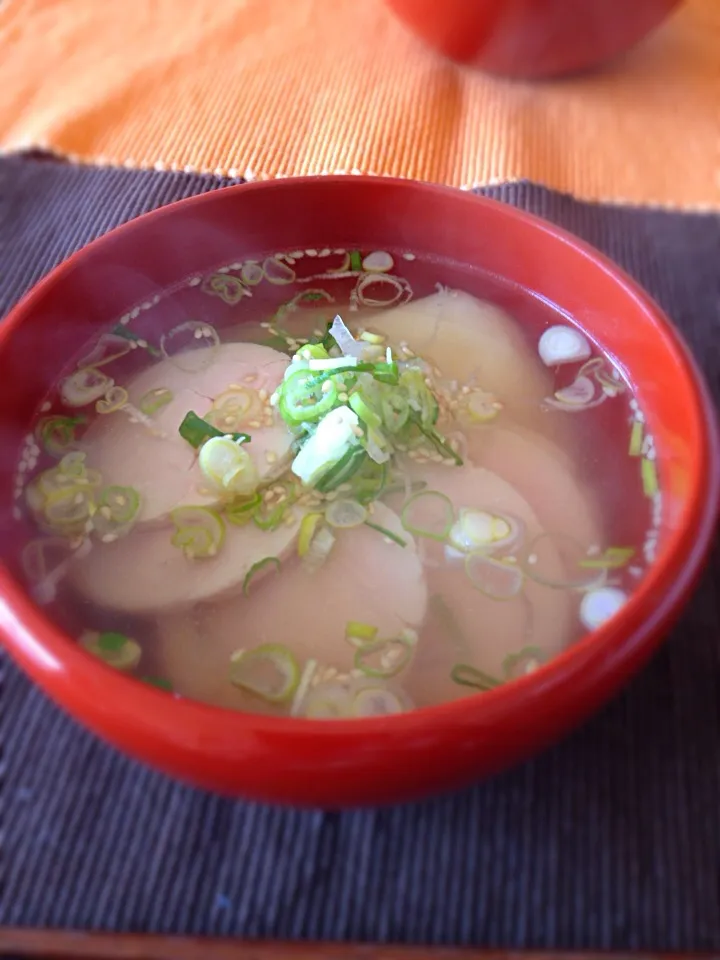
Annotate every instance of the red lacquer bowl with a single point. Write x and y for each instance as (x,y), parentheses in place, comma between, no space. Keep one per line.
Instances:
(532,38)
(382,760)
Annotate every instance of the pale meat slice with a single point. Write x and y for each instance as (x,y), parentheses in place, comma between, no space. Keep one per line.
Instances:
(488,630)
(366,578)
(145,573)
(471,341)
(164,469)
(543,474)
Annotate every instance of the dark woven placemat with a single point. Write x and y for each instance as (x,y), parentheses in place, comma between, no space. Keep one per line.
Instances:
(612,839)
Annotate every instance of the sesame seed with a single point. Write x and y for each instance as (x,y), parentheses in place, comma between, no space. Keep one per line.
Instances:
(254,424)
(270,456)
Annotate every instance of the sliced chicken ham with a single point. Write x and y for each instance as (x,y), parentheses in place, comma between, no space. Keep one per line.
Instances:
(542,474)
(145,573)
(470,340)
(468,626)
(366,578)
(163,468)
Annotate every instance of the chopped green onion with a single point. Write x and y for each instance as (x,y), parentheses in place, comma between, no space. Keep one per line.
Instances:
(313,351)
(327,701)
(67,510)
(228,467)
(196,431)
(428,514)
(556,560)
(58,434)
(615,386)
(483,407)
(270,518)
(122,331)
(115,649)
(511,663)
(342,471)
(122,503)
(468,676)
(308,527)
(345,514)
(304,398)
(158,682)
(383,658)
(649,477)
(636,438)
(240,511)
(255,570)
(231,407)
(386,533)
(612,559)
(437,439)
(496,579)
(319,550)
(476,530)
(155,400)
(396,411)
(356,261)
(115,399)
(355,630)
(372,338)
(364,410)
(84,387)
(269,671)
(117,510)
(303,687)
(199,532)
(370,481)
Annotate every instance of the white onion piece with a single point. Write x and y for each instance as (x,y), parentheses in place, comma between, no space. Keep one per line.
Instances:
(561,344)
(600,605)
(344,339)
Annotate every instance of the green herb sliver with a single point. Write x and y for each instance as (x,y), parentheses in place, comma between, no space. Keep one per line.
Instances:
(159,682)
(255,570)
(122,331)
(386,533)
(196,431)
(468,676)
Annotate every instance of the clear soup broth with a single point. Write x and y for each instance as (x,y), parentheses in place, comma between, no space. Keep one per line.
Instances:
(336,483)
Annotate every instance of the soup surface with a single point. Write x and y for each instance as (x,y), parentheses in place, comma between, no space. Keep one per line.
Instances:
(322,484)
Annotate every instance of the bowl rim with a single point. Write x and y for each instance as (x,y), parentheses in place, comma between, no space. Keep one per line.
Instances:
(43,648)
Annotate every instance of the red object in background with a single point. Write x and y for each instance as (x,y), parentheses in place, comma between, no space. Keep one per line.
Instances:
(532,38)
(351,762)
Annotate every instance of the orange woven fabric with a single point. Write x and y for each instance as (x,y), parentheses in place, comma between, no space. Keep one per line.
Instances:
(269,88)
